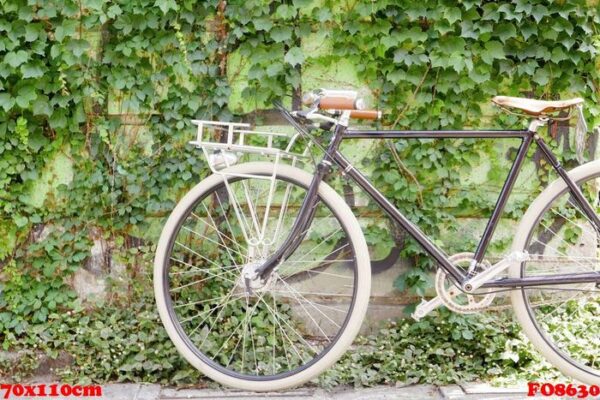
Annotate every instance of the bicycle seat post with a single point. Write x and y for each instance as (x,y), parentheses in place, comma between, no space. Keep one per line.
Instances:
(537,123)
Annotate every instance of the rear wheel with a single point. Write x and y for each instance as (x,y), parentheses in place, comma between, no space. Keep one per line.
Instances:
(562,321)
(257,335)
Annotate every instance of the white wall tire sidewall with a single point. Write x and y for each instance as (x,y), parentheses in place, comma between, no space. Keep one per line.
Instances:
(363,280)
(517,298)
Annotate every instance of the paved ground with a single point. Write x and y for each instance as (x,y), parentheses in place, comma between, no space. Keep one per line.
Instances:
(415,392)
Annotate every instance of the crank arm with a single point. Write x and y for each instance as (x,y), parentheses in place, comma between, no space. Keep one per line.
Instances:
(485,276)
(428,306)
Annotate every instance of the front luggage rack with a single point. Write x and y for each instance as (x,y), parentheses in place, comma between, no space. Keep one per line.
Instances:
(224,143)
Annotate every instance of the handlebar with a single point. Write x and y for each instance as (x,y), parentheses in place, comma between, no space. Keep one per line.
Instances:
(340,100)
(366,114)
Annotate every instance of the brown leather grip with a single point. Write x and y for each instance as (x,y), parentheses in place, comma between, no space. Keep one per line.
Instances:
(337,103)
(365,114)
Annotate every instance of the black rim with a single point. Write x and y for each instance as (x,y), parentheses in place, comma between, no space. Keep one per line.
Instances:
(185,337)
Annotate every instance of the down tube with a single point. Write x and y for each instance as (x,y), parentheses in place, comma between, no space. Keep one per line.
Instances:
(393,212)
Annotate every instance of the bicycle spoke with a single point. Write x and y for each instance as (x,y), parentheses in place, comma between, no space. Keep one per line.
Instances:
(212,275)
(240,248)
(298,296)
(298,335)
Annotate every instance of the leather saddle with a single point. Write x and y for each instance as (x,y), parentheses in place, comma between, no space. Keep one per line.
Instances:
(535,107)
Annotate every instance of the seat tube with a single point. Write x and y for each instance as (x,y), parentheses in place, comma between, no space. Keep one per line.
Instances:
(501,202)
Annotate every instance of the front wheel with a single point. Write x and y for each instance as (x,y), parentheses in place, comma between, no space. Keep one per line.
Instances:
(260,335)
(562,321)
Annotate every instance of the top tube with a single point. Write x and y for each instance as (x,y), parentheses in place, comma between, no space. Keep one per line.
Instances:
(458,134)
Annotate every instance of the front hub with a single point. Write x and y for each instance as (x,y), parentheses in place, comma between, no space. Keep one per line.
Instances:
(250,279)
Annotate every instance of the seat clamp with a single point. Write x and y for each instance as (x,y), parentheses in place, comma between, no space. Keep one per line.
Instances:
(535,124)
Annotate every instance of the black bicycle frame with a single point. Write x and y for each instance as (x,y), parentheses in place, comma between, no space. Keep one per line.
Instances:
(333,156)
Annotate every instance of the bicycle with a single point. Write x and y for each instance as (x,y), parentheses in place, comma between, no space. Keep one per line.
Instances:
(262,274)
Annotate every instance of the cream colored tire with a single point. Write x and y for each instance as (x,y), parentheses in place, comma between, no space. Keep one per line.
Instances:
(519,302)
(363,281)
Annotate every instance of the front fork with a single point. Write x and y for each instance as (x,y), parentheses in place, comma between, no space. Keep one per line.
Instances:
(308,208)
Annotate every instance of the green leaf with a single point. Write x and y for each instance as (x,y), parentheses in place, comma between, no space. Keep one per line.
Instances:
(166,5)
(58,119)
(274,69)
(550,34)
(6,101)
(114,11)
(16,58)
(32,32)
(494,50)
(294,56)
(25,95)
(505,31)
(324,14)
(414,35)
(396,76)
(490,12)
(400,56)
(509,12)
(452,14)
(41,106)
(452,45)
(78,47)
(285,11)
(467,30)
(302,3)
(559,55)
(66,29)
(389,41)
(20,221)
(539,11)
(281,33)
(567,42)
(528,30)
(480,75)
(541,76)
(527,68)
(32,70)
(263,24)
(459,62)
(523,6)
(95,5)
(543,53)
(563,25)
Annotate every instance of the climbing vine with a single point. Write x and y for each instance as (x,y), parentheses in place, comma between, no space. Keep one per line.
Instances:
(107,87)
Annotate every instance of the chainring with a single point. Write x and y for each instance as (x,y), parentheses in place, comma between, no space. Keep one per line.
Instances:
(454,298)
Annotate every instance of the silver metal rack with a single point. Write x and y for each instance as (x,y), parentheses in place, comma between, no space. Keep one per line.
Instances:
(224,143)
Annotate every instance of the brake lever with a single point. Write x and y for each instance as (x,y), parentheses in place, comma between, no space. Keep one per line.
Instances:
(299,114)
(305,114)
